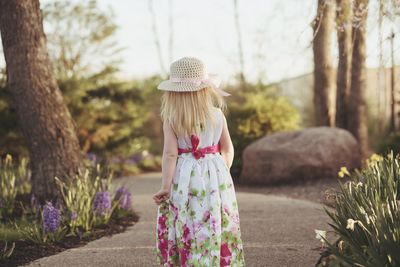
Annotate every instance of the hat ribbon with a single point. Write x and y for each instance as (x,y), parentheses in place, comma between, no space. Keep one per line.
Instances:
(198,82)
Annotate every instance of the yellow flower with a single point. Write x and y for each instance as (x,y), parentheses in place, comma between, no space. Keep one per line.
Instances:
(8,159)
(343,171)
(376,157)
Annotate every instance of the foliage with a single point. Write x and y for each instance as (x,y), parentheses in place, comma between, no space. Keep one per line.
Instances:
(14,179)
(367,216)
(257,112)
(115,120)
(46,225)
(35,233)
(79,195)
(81,38)
(6,251)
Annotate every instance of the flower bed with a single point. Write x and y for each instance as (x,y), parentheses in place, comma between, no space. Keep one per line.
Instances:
(89,209)
(366,217)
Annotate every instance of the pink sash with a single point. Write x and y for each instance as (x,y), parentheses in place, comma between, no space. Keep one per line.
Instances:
(199,153)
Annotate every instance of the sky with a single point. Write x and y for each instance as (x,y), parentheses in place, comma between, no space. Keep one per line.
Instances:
(276,36)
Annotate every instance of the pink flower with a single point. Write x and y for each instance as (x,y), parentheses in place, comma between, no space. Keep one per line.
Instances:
(235,218)
(173,248)
(186,235)
(214,224)
(197,226)
(226,209)
(226,255)
(183,256)
(162,224)
(174,210)
(163,247)
(184,252)
(206,216)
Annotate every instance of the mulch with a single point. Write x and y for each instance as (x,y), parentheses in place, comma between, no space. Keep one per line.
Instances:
(26,252)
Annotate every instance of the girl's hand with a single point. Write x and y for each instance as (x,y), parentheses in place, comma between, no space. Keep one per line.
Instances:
(160,196)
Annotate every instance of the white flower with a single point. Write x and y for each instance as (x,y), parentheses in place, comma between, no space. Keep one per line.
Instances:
(350,224)
(320,235)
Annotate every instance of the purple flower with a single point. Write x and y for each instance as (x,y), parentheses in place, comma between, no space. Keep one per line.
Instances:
(73,216)
(102,203)
(51,218)
(91,157)
(124,198)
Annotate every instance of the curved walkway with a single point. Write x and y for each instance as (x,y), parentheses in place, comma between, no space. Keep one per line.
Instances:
(276,231)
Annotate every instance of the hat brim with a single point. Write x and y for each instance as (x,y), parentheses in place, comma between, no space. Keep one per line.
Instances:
(187,86)
(180,86)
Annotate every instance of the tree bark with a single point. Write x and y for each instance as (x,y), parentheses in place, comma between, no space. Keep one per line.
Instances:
(43,117)
(344,31)
(357,106)
(324,84)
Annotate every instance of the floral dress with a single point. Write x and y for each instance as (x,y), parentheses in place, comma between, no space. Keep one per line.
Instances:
(199,224)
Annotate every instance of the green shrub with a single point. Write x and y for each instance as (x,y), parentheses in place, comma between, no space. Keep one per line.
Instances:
(367,217)
(257,112)
(14,179)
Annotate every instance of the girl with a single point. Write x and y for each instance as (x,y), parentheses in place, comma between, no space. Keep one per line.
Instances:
(198,219)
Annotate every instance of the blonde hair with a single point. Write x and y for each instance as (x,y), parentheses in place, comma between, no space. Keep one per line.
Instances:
(190,112)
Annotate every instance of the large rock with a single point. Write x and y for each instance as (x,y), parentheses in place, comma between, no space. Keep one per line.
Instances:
(292,156)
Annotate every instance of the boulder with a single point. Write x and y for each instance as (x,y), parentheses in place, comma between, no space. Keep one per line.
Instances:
(307,154)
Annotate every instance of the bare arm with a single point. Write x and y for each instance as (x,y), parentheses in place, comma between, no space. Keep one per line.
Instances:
(170,154)
(227,150)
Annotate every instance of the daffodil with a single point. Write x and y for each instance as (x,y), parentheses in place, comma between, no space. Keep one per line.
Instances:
(321,236)
(350,224)
(341,245)
(8,159)
(343,171)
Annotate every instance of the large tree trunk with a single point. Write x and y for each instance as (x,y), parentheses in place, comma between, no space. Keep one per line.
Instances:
(344,30)
(357,106)
(43,117)
(324,84)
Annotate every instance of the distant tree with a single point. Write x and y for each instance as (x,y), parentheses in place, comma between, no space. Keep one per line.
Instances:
(156,37)
(43,117)
(357,115)
(239,42)
(324,84)
(344,35)
(80,39)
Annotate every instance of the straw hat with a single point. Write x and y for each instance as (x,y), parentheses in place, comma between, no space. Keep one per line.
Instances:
(189,74)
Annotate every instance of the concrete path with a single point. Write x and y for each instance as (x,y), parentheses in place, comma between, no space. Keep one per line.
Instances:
(276,231)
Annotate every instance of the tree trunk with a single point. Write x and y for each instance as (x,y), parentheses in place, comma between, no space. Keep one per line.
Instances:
(357,106)
(43,117)
(324,84)
(344,30)
(239,43)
